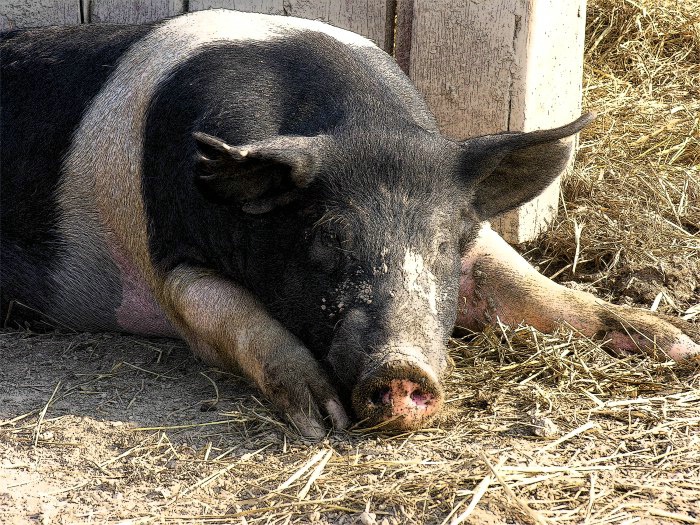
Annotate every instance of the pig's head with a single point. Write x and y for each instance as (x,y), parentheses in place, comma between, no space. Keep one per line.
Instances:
(355,240)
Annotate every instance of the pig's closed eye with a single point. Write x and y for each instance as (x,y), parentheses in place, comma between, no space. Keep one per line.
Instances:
(330,239)
(326,251)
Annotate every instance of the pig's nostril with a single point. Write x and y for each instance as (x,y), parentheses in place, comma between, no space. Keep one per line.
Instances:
(401,394)
(420,398)
(381,396)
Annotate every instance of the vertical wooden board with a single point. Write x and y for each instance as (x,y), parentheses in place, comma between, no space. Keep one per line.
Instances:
(270,7)
(403,34)
(33,13)
(373,19)
(370,18)
(551,90)
(547,94)
(461,59)
(133,11)
(490,66)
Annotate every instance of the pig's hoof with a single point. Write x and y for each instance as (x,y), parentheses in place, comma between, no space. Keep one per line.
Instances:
(630,330)
(303,393)
(686,345)
(399,396)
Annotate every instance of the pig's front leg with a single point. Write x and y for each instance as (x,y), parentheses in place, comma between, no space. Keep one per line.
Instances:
(227,326)
(498,284)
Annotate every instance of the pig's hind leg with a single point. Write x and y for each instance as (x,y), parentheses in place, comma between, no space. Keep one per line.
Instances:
(498,284)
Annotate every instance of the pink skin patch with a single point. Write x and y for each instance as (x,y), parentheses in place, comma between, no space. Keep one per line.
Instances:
(681,349)
(406,399)
(624,343)
(684,348)
(138,312)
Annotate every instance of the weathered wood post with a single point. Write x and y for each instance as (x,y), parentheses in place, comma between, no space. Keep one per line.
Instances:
(32,13)
(373,19)
(130,11)
(486,66)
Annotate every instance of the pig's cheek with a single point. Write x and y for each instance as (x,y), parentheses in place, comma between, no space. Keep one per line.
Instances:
(474,309)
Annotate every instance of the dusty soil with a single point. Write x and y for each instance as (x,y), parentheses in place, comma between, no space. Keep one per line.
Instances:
(69,407)
(115,429)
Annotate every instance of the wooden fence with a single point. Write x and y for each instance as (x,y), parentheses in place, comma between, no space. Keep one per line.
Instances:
(483,65)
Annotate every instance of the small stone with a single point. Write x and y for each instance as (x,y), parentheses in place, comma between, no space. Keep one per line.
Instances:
(368,518)
(547,428)
(543,426)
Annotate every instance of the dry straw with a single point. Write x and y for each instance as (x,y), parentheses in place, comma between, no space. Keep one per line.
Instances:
(538,428)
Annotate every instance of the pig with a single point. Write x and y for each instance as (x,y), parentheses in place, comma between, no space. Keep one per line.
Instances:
(275,192)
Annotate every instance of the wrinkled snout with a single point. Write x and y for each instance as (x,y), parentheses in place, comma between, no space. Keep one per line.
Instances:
(398,390)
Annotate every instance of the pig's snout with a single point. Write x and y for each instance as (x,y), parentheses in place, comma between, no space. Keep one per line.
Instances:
(400,392)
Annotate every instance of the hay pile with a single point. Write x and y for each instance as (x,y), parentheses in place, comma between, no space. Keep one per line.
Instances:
(635,195)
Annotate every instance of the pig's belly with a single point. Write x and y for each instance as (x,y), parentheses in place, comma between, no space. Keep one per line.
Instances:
(138,311)
(101,290)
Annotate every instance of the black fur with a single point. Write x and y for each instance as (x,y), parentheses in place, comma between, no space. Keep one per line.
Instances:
(307,86)
(47,80)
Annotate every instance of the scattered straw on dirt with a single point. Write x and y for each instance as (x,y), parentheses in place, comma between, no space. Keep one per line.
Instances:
(538,428)
(635,196)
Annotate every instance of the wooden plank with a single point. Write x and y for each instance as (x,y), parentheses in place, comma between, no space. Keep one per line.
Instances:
(33,13)
(373,19)
(270,7)
(370,18)
(460,57)
(497,65)
(133,11)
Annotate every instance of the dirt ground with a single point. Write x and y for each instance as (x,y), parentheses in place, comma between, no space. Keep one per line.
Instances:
(107,428)
(114,429)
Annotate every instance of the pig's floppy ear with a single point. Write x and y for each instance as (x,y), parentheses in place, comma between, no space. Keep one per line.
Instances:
(509,169)
(259,176)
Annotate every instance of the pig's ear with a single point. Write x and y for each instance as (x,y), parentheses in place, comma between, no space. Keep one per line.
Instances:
(259,176)
(509,169)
